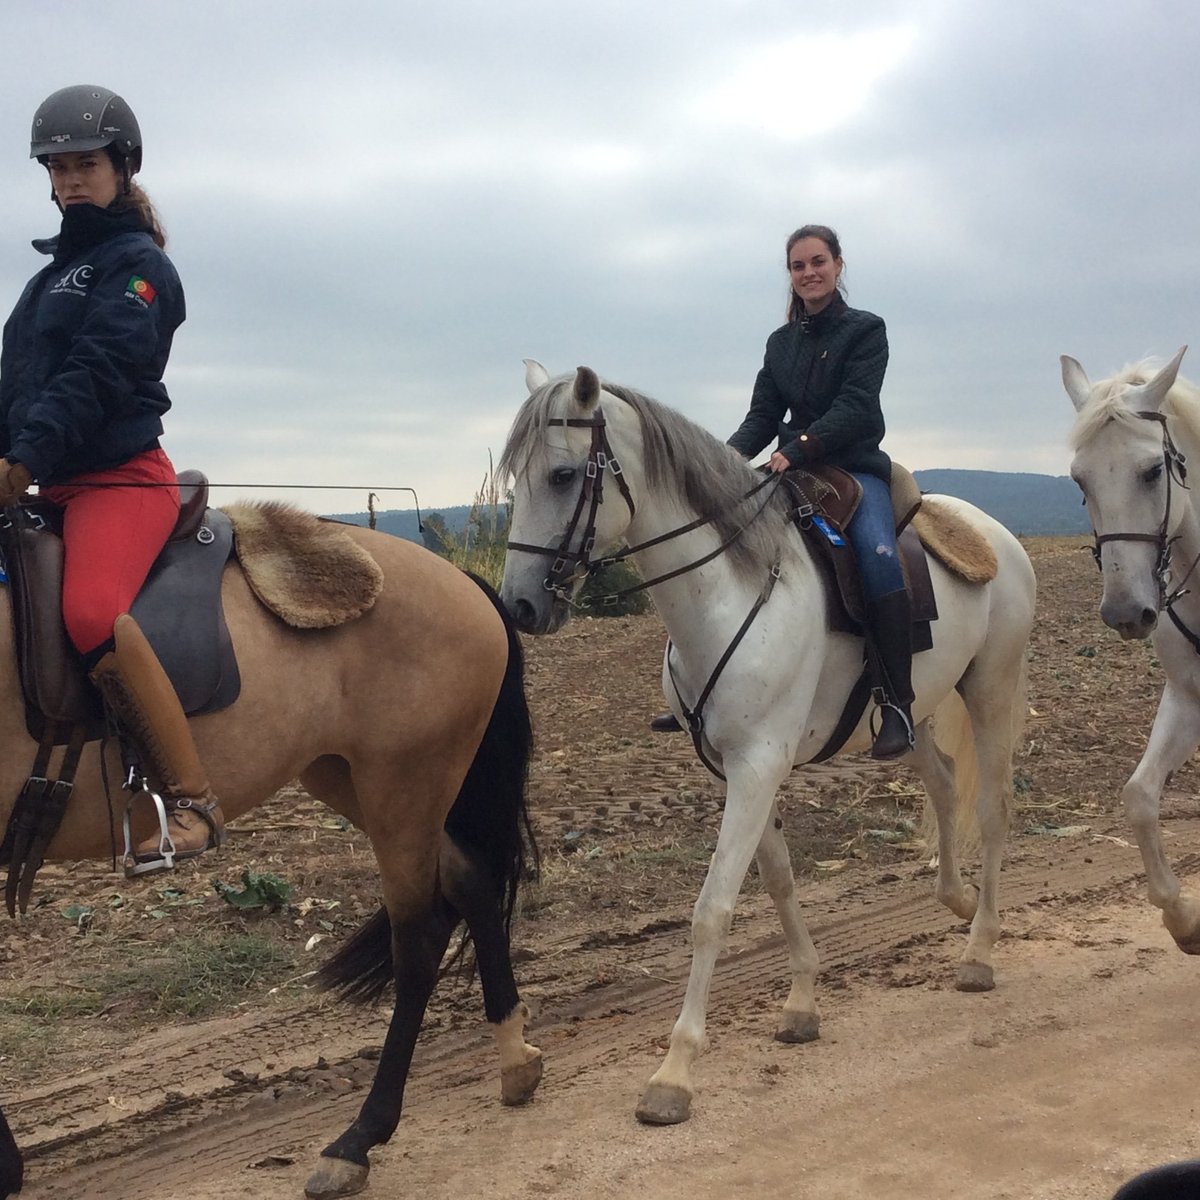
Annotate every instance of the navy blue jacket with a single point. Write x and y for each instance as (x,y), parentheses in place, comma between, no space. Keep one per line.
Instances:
(85,348)
(828,371)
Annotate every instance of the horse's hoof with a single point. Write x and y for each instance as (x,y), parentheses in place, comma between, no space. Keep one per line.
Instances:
(798,1027)
(335,1177)
(1183,924)
(975,977)
(518,1084)
(664,1104)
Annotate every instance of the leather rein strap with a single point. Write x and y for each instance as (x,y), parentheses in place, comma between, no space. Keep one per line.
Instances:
(570,564)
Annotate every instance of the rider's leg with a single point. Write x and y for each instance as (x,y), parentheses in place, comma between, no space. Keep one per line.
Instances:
(111,536)
(872,534)
(135,686)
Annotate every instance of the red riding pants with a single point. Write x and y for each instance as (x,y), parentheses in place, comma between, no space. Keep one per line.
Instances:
(111,537)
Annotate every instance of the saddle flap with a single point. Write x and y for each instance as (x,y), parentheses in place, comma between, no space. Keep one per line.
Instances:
(843,586)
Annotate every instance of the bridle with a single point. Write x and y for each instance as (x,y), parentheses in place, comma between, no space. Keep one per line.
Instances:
(569,566)
(1175,463)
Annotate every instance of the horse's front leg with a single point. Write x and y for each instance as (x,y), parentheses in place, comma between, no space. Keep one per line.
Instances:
(1173,739)
(470,888)
(749,797)
(12,1165)
(419,941)
(799,1021)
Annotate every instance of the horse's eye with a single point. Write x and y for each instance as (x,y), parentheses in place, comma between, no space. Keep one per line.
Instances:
(561,476)
(1154,474)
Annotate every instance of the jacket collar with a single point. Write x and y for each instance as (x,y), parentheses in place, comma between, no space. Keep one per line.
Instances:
(85,226)
(829,315)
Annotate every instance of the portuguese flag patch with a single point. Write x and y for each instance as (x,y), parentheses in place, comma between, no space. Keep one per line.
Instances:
(141,288)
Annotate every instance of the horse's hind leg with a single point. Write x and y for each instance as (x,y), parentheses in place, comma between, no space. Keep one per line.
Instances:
(1173,739)
(937,774)
(799,1021)
(419,938)
(470,890)
(995,699)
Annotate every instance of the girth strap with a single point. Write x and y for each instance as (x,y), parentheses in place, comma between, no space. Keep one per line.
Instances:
(856,705)
(694,717)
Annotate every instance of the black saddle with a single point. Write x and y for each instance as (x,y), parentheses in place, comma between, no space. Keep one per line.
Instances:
(179,610)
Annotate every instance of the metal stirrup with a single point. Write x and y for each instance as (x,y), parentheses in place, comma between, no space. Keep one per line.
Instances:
(166,847)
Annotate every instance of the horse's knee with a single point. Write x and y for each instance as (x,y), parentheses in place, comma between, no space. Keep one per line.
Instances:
(710,922)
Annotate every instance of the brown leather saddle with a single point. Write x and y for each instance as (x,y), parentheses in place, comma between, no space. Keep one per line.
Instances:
(178,608)
(824,499)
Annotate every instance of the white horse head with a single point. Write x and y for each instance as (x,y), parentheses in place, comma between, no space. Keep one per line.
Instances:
(568,451)
(1126,465)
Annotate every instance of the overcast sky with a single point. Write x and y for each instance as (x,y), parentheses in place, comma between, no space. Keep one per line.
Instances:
(379,209)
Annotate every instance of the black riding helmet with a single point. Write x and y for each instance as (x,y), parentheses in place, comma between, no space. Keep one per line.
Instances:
(86,117)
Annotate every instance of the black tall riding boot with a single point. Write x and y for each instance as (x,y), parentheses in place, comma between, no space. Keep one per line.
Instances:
(889,649)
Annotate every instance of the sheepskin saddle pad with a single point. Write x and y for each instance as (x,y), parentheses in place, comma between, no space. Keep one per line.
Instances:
(957,545)
(309,572)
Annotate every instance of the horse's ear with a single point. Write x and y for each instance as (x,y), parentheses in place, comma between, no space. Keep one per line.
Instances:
(587,387)
(536,375)
(1152,393)
(1076,382)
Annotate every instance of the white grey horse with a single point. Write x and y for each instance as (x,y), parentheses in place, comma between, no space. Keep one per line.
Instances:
(1133,436)
(594,464)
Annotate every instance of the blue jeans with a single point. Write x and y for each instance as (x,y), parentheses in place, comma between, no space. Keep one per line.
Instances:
(872,536)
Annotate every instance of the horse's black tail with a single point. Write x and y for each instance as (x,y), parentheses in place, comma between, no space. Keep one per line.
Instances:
(489,820)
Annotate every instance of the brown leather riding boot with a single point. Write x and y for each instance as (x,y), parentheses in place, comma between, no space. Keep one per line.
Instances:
(889,639)
(135,686)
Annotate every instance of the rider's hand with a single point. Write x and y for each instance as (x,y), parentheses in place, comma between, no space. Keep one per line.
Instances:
(15,479)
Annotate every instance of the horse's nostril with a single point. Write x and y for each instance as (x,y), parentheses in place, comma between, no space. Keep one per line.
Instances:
(523,613)
(1148,617)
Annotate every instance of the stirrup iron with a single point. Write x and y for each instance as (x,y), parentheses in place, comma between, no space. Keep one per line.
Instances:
(166,847)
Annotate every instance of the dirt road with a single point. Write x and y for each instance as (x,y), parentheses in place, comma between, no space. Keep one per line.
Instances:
(1076,1072)
(1079,1069)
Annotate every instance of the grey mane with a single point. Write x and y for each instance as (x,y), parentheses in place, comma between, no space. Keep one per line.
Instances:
(711,477)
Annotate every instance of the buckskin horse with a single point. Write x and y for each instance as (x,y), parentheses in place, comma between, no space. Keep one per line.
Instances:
(753,667)
(411,722)
(1133,437)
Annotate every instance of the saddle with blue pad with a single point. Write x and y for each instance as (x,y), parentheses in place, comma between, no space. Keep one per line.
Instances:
(824,499)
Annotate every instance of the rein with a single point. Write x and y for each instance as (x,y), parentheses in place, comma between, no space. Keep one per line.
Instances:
(1175,462)
(570,564)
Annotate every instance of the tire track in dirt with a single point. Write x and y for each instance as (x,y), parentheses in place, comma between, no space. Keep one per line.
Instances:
(178,1114)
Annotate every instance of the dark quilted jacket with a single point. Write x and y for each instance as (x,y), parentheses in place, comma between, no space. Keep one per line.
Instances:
(84,351)
(821,376)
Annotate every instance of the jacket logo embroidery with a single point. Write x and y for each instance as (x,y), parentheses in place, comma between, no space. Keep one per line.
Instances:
(74,282)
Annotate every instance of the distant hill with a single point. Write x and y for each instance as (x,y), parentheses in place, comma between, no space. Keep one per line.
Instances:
(1023,503)
(1030,504)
